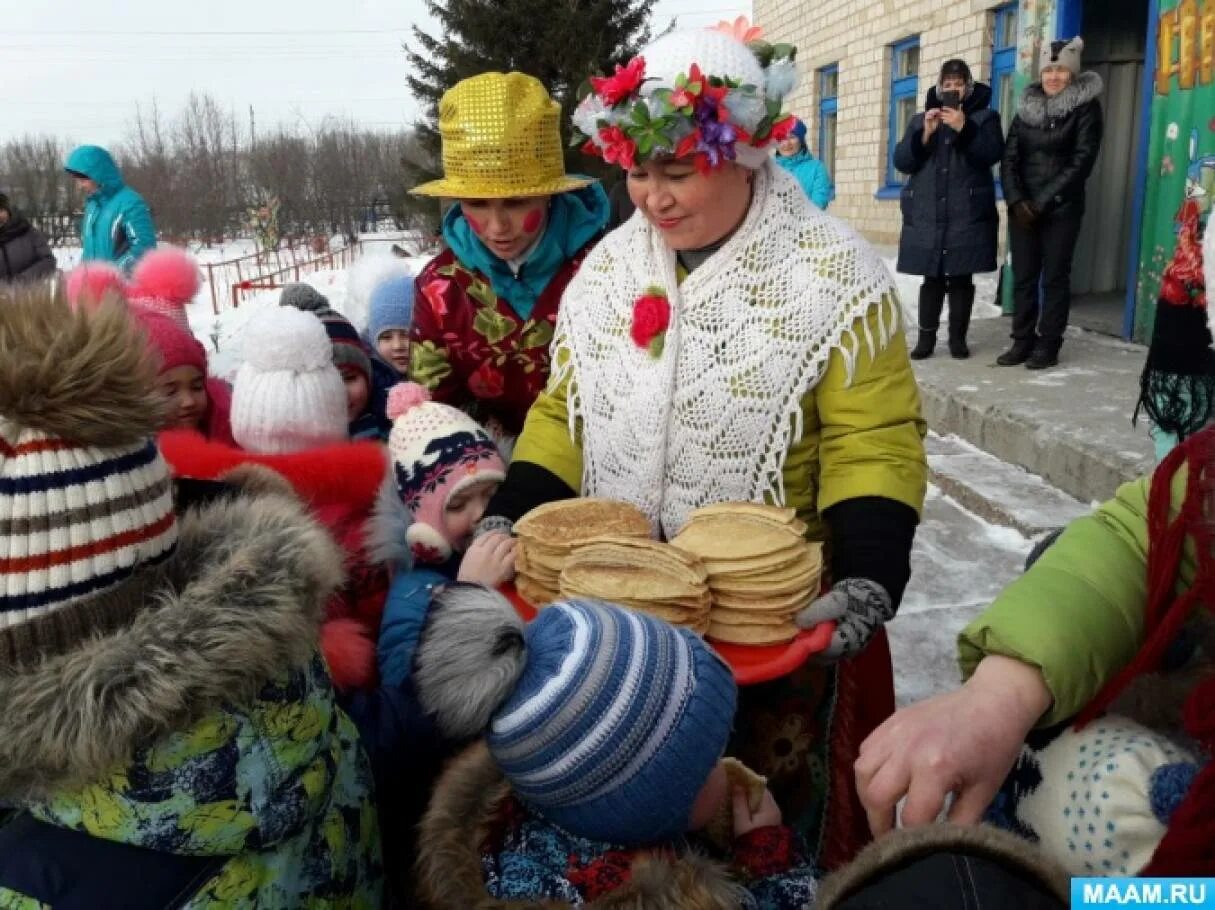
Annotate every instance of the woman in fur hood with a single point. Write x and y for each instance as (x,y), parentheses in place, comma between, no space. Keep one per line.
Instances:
(170,736)
(1050,151)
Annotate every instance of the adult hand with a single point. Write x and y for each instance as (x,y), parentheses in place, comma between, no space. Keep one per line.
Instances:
(857,606)
(953,118)
(489,561)
(1024,213)
(963,742)
(932,119)
(746,821)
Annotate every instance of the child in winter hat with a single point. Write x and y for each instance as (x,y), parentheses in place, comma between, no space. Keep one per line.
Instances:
(390,320)
(164,281)
(288,395)
(350,357)
(148,660)
(609,726)
(81,477)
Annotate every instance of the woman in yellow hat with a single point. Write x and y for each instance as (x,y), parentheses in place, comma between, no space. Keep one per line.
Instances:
(731,341)
(487,306)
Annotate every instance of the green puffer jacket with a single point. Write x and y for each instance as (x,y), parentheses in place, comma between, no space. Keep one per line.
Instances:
(1079,615)
(206,727)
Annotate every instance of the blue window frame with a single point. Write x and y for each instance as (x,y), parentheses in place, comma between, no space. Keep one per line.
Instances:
(1004,61)
(904,99)
(828,105)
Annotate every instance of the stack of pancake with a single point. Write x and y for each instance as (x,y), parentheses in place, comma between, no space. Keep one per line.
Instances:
(643,575)
(762,571)
(549,533)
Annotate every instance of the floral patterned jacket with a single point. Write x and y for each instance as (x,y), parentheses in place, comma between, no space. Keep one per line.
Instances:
(473,351)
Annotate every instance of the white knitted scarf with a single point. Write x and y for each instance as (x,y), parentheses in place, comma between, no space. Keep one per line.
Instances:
(713,418)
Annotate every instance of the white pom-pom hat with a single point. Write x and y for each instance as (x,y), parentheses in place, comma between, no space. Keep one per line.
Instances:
(437,451)
(288,395)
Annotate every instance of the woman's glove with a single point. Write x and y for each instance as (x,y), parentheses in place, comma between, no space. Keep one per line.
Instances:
(858,607)
(1024,213)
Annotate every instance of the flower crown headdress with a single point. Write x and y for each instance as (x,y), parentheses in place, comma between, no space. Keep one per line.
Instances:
(710,117)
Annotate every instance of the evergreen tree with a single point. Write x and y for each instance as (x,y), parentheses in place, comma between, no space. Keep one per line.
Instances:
(560,42)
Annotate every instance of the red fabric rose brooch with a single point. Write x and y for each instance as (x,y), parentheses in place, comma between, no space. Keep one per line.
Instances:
(651,318)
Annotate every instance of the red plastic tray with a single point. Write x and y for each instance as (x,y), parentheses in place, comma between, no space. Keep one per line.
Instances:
(751,663)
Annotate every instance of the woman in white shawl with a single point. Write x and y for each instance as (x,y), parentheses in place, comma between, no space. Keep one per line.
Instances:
(732,342)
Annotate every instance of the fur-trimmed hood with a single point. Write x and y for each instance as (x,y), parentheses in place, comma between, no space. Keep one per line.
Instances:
(1035,108)
(235,608)
(455,826)
(889,852)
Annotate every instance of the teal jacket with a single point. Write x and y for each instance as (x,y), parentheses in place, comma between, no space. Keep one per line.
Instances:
(811,174)
(117,225)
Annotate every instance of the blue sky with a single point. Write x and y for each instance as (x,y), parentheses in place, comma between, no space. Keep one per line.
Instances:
(78,69)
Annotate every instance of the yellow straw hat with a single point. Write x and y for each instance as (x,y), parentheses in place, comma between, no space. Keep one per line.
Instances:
(500,138)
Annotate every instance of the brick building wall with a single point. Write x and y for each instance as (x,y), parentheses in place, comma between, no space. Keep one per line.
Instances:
(857,35)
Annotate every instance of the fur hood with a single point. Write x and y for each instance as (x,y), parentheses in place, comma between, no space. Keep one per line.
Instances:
(1036,108)
(236,605)
(459,818)
(889,852)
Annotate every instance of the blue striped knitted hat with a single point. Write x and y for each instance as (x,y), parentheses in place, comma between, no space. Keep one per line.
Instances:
(615,723)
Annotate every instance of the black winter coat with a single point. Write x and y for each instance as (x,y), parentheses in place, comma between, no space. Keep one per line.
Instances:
(24,253)
(1052,147)
(950,221)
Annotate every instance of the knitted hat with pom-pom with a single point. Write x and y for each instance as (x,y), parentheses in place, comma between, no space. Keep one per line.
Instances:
(288,395)
(91,282)
(604,720)
(86,502)
(437,451)
(348,347)
(164,281)
(174,345)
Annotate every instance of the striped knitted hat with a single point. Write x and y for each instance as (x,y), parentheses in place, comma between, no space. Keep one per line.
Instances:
(348,347)
(606,721)
(85,499)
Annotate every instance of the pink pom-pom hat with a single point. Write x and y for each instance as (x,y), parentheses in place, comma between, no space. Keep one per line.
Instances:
(165,280)
(91,282)
(405,396)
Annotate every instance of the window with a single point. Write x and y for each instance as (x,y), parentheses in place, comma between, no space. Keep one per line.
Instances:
(828,97)
(1004,62)
(904,98)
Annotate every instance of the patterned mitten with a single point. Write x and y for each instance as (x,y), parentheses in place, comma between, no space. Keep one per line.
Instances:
(858,607)
(493,523)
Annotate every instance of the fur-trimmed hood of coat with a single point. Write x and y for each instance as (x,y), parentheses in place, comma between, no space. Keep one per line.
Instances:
(235,607)
(899,847)
(1036,108)
(455,826)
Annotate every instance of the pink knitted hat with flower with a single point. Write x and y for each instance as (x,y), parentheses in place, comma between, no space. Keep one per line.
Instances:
(437,451)
(175,346)
(165,280)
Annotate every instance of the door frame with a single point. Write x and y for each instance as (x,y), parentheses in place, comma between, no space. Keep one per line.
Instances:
(1069,20)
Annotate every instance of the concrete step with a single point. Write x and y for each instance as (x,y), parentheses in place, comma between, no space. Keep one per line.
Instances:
(1070,425)
(997,492)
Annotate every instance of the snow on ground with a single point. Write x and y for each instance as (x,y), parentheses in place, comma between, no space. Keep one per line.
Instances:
(987,296)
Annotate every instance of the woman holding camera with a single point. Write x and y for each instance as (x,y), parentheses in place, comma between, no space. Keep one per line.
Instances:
(949,204)
(1052,146)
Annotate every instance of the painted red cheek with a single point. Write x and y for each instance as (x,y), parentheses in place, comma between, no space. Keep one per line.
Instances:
(476,225)
(532,221)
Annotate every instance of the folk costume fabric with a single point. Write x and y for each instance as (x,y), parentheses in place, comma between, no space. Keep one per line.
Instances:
(751,332)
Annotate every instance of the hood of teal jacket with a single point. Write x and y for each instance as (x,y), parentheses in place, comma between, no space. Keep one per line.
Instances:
(793,162)
(574,219)
(98,165)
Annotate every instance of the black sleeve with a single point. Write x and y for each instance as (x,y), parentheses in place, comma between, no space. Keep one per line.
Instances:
(911,153)
(1010,165)
(527,485)
(871,537)
(983,145)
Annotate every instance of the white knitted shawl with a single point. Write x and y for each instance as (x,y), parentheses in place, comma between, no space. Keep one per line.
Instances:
(713,418)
